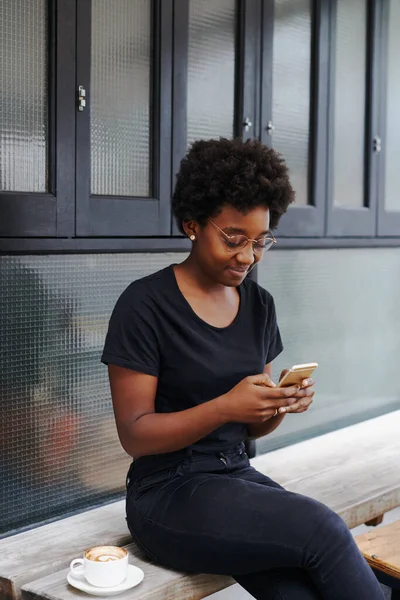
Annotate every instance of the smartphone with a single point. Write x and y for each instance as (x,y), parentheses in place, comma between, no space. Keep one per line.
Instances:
(297,373)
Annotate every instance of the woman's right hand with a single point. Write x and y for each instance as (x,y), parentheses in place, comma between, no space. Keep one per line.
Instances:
(255,399)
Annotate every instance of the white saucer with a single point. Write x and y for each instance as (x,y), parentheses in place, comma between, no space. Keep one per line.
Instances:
(134,577)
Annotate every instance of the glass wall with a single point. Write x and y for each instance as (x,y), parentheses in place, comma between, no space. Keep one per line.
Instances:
(120,97)
(346,319)
(349,103)
(211,69)
(23,96)
(291,91)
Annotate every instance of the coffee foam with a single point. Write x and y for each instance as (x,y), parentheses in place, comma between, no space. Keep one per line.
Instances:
(105,554)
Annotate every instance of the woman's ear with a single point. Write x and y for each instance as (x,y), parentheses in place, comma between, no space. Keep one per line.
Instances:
(190,228)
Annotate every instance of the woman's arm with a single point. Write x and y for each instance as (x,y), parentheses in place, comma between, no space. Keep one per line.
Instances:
(257,430)
(142,431)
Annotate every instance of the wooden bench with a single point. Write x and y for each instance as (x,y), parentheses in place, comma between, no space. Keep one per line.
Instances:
(381,548)
(356,471)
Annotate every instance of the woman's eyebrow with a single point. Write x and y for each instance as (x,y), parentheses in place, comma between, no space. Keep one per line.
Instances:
(242,231)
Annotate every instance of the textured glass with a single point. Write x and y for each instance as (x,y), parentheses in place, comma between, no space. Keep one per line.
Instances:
(59,450)
(291,89)
(347,319)
(120,97)
(23,96)
(392,149)
(211,69)
(349,103)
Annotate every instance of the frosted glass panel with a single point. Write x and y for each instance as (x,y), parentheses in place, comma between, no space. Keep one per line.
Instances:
(330,322)
(211,69)
(392,194)
(349,111)
(59,448)
(120,97)
(23,96)
(291,89)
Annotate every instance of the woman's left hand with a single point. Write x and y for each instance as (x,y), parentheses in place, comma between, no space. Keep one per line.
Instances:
(305,397)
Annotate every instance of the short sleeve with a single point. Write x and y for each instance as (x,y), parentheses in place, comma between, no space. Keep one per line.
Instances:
(131,340)
(272,334)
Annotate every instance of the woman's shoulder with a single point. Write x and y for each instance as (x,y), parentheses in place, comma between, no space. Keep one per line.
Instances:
(257,293)
(145,289)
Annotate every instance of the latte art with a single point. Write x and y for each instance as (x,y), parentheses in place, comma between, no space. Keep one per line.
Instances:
(105,554)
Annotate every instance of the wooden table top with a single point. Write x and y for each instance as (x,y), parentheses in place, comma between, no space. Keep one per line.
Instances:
(381,548)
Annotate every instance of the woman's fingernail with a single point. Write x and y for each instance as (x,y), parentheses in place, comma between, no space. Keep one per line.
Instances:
(282,410)
(305,382)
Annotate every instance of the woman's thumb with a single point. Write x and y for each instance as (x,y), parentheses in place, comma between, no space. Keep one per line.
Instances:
(262,379)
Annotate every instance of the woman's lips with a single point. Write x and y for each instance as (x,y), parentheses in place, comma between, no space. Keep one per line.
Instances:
(238,270)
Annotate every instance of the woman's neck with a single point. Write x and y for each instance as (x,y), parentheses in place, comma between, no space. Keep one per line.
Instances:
(193,279)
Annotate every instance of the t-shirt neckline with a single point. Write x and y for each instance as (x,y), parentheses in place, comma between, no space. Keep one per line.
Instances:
(196,316)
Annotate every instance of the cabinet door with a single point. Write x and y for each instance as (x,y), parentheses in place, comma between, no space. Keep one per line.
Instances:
(36,141)
(293,114)
(389,195)
(216,66)
(352,119)
(124,65)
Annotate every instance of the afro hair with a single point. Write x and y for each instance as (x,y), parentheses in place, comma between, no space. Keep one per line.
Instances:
(221,172)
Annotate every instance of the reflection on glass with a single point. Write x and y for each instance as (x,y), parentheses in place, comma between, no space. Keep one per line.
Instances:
(120,97)
(211,69)
(23,100)
(392,154)
(291,89)
(349,111)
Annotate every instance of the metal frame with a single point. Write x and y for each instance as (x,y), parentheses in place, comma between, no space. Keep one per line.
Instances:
(176,244)
(343,221)
(145,224)
(179,91)
(112,216)
(249,69)
(50,214)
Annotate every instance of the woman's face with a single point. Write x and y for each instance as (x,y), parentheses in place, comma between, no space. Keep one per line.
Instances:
(211,250)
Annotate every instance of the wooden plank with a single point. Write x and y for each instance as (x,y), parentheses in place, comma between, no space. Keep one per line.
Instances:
(381,548)
(38,552)
(375,521)
(158,584)
(356,471)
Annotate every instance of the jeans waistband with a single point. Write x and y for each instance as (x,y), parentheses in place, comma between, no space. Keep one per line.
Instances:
(188,456)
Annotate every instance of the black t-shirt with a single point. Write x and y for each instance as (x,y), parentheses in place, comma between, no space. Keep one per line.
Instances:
(154,330)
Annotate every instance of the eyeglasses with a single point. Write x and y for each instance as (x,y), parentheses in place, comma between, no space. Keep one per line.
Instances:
(239,241)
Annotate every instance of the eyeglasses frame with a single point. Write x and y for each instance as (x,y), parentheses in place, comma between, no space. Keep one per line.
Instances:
(228,237)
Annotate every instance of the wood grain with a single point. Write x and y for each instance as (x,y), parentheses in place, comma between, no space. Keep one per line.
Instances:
(158,584)
(38,552)
(355,471)
(381,548)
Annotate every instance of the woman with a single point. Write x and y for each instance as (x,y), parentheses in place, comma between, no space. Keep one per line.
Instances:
(189,351)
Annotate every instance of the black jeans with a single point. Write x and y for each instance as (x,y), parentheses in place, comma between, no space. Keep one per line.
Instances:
(216,514)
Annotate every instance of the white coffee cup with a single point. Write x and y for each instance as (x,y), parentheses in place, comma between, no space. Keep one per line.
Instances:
(102,566)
